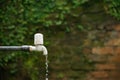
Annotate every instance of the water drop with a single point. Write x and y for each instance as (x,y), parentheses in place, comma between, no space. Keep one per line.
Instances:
(46,63)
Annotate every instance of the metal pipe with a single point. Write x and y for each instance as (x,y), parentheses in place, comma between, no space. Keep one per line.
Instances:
(38,42)
(14,48)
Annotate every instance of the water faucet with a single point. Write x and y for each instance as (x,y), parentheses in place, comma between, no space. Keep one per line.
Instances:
(38,46)
(38,42)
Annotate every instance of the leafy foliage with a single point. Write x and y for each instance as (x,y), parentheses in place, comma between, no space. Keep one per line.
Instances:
(18,18)
(113,8)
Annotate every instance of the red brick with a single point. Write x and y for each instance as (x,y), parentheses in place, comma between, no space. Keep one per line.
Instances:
(117,50)
(105,66)
(115,59)
(87,50)
(115,75)
(100,74)
(113,42)
(90,77)
(117,28)
(103,50)
(97,58)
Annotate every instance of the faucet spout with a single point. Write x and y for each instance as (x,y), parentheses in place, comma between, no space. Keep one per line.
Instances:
(39,48)
(45,52)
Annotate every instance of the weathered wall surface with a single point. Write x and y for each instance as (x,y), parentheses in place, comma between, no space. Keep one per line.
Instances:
(107,57)
(87,55)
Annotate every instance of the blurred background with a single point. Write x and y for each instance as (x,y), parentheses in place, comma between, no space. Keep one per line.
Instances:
(70,28)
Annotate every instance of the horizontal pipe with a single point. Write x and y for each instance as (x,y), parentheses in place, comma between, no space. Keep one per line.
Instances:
(14,48)
(25,48)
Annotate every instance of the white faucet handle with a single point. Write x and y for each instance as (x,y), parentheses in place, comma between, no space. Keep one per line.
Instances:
(38,39)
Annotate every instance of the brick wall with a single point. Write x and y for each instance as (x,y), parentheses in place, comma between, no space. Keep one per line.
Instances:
(107,58)
(93,55)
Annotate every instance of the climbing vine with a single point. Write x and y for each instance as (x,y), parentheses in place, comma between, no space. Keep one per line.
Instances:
(18,18)
(113,8)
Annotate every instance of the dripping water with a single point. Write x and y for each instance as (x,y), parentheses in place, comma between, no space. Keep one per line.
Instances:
(46,64)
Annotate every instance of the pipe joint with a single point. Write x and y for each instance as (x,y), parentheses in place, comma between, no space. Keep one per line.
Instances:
(39,48)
